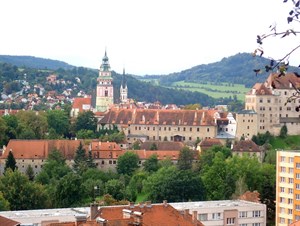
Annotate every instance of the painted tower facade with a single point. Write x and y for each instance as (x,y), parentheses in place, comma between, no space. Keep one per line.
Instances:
(105,90)
(123,89)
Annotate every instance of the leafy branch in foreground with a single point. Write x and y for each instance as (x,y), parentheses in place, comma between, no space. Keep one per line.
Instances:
(282,64)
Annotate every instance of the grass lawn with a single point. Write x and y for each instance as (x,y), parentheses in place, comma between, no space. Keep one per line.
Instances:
(288,143)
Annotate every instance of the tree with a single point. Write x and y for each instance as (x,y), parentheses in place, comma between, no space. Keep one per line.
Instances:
(151,164)
(136,145)
(10,162)
(283,131)
(153,146)
(30,173)
(3,129)
(68,191)
(127,163)
(86,120)
(174,185)
(58,121)
(115,188)
(4,204)
(185,159)
(80,160)
(21,193)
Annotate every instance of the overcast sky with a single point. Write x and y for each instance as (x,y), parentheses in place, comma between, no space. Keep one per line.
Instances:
(144,37)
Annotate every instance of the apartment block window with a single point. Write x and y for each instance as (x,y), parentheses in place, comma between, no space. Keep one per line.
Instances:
(291,191)
(256,213)
(216,216)
(281,220)
(298,165)
(291,159)
(291,180)
(297,196)
(290,201)
(282,159)
(198,129)
(291,170)
(297,186)
(282,179)
(282,169)
(230,220)
(290,211)
(297,175)
(191,129)
(281,210)
(202,217)
(297,217)
(242,214)
(297,207)
(281,189)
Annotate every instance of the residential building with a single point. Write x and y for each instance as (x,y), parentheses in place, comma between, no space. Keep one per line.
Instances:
(35,152)
(226,212)
(272,102)
(105,90)
(287,187)
(81,104)
(186,126)
(246,124)
(208,143)
(226,126)
(248,147)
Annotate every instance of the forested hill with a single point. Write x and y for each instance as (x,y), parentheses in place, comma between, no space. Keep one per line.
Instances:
(236,69)
(34,62)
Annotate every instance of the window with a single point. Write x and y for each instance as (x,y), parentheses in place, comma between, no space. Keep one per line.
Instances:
(291,159)
(291,191)
(242,224)
(281,189)
(256,224)
(291,170)
(281,210)
(298,165)
(282,169)
(216,216)
(230,221)
(297,186)
(290,201)
(297,207)
(297,175)
(282,179)
(282,200)
(243,214)
(282,159)
(297,196)
(256,213)
(202,217)
(291,180)
(290,211)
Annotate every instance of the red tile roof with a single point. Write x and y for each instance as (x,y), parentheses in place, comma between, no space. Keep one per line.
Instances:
(150,215)
(81,102)
(245,146)
(163,145)
(282,82)
(209,142)
(260,89)
(8,222)
(159,117)
(39,149)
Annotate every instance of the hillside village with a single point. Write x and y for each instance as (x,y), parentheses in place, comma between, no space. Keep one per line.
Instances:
(153,129)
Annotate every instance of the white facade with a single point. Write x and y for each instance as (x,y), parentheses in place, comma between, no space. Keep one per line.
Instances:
(226,212)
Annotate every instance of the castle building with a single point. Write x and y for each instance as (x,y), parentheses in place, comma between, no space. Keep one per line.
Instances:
(105,90)
(273,104)
(123,89)
(287,187)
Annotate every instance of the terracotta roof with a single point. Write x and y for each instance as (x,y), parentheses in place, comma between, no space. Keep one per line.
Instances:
(106,146)
(282,82)
(296,223)
(8,112)
(250,196)
(79,103)
(163,145)
(150,215)
(159,117)
(209,142)
(245,146)
(8,222)
(39,149)
(260,89)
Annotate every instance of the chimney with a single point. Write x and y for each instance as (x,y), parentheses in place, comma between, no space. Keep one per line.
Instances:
(101,221)
(80,219)
(131,205)
(165,202)
(94,211)
(194,216)
(148,204)
(186,212)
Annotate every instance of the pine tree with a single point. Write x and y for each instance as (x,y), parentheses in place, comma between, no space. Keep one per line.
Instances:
(10,162)
(80,160)
(90,160)
(29,172)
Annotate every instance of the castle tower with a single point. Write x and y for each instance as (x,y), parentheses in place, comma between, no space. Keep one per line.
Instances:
(105,90)
(123,89)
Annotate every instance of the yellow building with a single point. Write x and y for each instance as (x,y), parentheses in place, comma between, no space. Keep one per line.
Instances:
(287,187)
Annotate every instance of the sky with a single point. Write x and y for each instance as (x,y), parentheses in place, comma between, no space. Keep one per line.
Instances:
(141,36)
